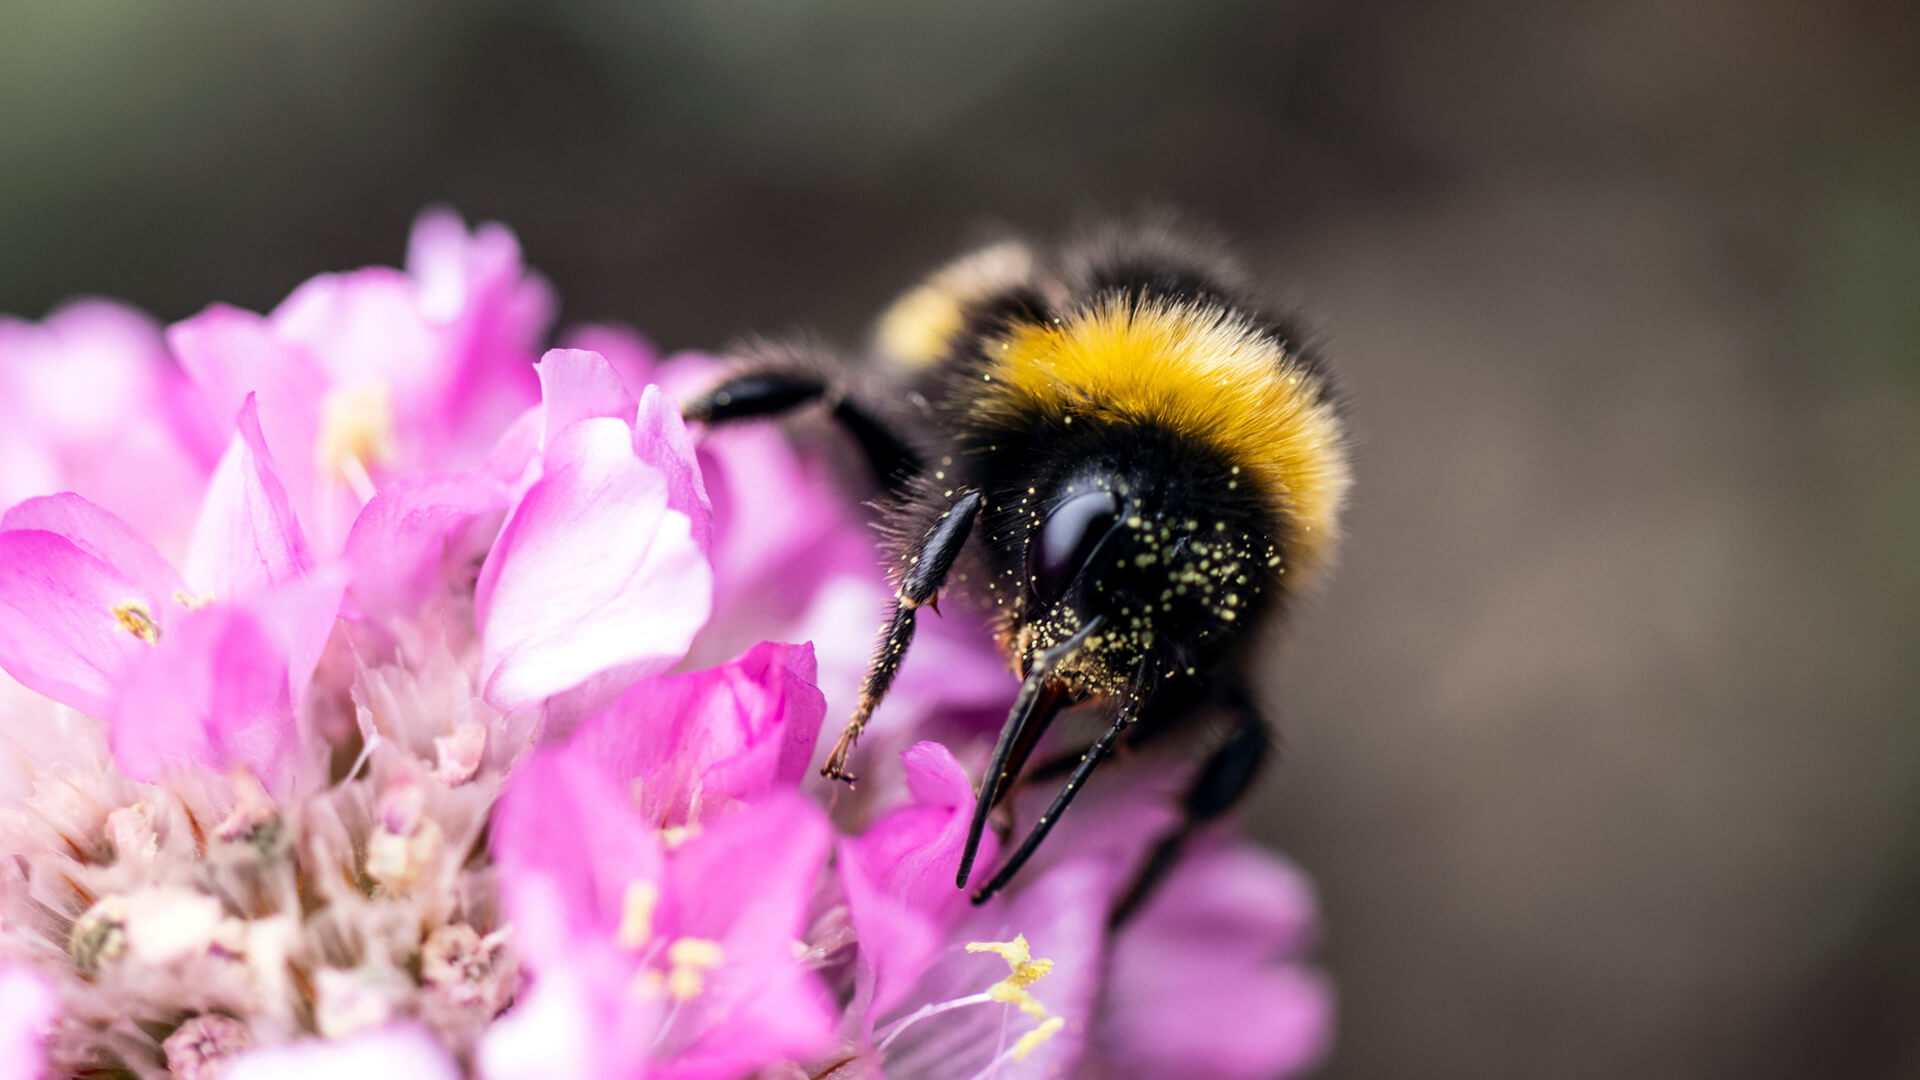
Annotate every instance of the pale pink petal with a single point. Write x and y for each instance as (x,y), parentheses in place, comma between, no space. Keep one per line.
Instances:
(899,873)
(579,385)
(660,438)
(410,540)
(28,1006)
(402,1052)
(631,354)
(212,695)
(366,328)
(69,619)
(90,401)
(558,1028)
(695,741)
(247,539)
(232,353)
(592,574)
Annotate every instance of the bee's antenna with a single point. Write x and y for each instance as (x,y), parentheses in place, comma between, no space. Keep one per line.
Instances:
(1129,710)
(1040,698)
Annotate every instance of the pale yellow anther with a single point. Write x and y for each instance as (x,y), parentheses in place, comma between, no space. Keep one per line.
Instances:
(356,429)
(695,952)
(1031,1040)
(691,959)
(1006,993)
(192,601)
(135,619)
(1022,969)
(636,914)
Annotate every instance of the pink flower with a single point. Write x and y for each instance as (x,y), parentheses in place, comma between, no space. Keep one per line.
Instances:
(90,401)
(92,615)
(651,960)
(365,376)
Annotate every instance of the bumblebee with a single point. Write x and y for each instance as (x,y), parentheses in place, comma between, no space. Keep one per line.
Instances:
(1119,453)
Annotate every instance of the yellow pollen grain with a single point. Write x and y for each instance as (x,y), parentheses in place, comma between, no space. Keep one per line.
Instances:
(356,426)
(192,601)
(636,914)
(1031,1040)
(135,619)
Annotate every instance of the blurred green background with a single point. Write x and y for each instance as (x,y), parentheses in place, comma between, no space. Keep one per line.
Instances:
(1605,745)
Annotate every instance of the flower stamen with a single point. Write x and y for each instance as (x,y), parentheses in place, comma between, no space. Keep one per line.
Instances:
(135,618)
(636,915)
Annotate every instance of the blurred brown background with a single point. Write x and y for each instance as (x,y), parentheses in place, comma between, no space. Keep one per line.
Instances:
(1605,747)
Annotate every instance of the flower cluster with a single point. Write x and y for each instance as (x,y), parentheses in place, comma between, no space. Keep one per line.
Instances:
(389,699)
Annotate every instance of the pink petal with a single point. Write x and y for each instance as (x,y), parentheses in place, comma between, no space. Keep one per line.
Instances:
(213,694)
(592,574)
(69,595)
(1201,977)
(232,353)
(28,1006)
(569,845)
(631,354)
(747,882)
(899,874)
(413,539)
(701,739)
(365,327)
(247,539)
(99,534)
(577,385)
(1063,915)
(402,1052)
(90,401)
(661,438)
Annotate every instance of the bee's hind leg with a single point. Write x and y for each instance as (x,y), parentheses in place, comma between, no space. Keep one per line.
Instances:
(1221,780)
(772,390)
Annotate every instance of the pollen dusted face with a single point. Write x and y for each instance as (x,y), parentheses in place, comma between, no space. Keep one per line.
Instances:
(1169,587)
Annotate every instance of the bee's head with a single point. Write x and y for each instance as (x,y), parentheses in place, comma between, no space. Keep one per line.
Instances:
(1170,553)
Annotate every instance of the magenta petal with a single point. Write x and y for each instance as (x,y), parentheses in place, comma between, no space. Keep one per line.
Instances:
(1062,913)
(593,575)
(578,385)
(404,544)
(1201,980)
(73,595)
(28,1006)
(247,538)
(899,874)
(99,534)
(695,741)
(213,694)
(569,845)
(747,882)
(402,1052)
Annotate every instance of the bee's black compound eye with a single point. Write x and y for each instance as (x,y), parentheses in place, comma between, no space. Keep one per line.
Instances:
(1069,538)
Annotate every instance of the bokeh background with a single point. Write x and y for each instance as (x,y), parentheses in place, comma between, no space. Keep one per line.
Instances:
(1605,746)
